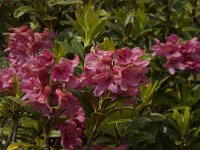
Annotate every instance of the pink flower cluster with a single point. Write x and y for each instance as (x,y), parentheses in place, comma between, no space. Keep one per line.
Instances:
(72,129)
(6,80)
(120,72)
(44,82)
(23,43)
(179,55)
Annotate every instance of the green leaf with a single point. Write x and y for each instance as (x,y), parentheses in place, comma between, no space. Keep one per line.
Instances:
(97,117)
(90,17)
(141,18)
(55,133)
(84,102)
(81,22)
(96,31)
(78,48)
(75,25)
(107,44)
(17,146)
(138,123)
(66,48)
(129,18)
(49,18)
(16,87)
(128,29)
(178,108)
(139,137)
(60,49)
(15,99)
(115,28)
(39,142)
(109,112)
(114,121)
(197,131)
(173,135)
(147,91)
(177,116)
(22,10)
(188,7)
(66,2)
(182,123)
(190,29)
(186,119)
(196,115)
(156,117)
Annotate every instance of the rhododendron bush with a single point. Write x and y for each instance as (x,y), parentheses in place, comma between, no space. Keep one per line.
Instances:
(97,81)
(46,85)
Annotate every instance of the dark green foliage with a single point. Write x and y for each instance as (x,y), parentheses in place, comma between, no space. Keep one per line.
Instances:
(167,114)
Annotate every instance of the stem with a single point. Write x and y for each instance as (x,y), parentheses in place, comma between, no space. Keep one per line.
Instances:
(91,136)
(9,138)
(56,142)
(13,132)
(46,133)
(15,124)
(97,121)
(46,139)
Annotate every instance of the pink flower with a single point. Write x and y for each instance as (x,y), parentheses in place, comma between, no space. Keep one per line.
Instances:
(36,95)
(179,56)
(31,87)
(98,59)
(103,80)
(33,68)
(64,70)
(71,130)
(118,72)
(46,58)
(6,80)
(41,81)
(44,96)
(123,56)
(41,102)
(67,103)
(71,134)
(173,38)
(24,43)
(41,107)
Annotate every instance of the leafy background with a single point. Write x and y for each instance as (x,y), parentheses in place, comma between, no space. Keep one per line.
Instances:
(167,114)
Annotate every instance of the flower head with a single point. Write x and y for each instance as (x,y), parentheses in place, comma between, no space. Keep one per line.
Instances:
(23,43)
(179,56)
(6,80)
(118,72)
(64,70)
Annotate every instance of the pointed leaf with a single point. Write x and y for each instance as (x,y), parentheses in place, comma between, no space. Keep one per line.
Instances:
(22,10)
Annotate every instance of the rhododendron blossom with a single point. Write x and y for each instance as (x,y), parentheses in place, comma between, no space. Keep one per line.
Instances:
(72,129)
(120,72)
(63,70)
(179,55)
(71,134)
(45,83)
(23,43)
(43,98)
(6,80)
